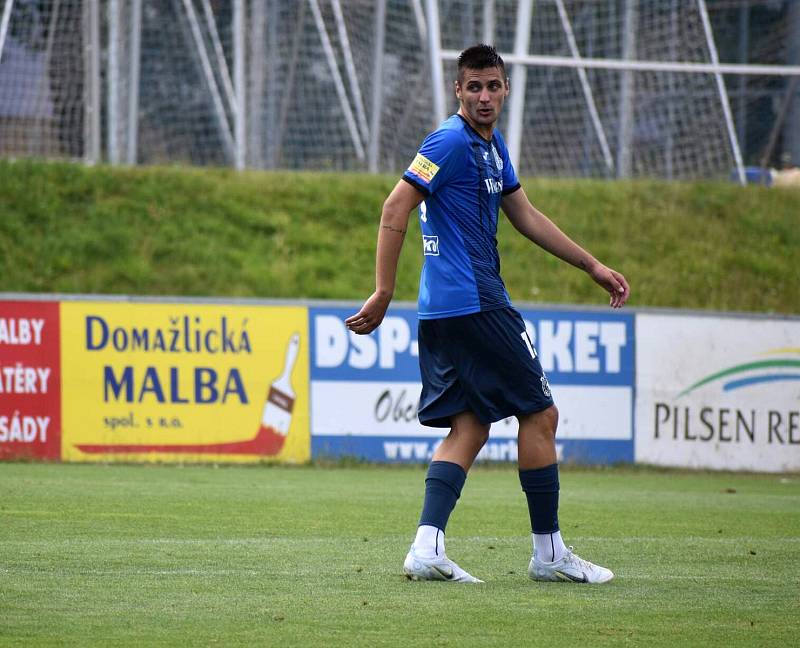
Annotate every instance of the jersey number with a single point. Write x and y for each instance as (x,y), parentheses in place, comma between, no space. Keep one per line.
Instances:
(527,340)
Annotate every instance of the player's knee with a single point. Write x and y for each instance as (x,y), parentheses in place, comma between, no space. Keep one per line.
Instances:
(475,437)
(551,414)
(478,438)
(540,425)
(547,422)
(482,437)
(468,429)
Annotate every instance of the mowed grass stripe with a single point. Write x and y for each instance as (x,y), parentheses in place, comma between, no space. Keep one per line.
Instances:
(164,555)
(293,543)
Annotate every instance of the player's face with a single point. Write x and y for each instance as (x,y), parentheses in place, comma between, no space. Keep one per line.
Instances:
(481,94)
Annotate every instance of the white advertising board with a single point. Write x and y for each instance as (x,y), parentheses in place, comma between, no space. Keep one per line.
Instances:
(390,408)
(718,392)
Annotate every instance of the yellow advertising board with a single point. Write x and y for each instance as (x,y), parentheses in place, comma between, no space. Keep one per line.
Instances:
(184,382)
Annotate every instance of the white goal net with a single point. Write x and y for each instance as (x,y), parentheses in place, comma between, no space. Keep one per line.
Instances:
(42,79)
(676,89)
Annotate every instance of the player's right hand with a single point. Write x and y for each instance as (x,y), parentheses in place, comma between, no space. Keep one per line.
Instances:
(371,314)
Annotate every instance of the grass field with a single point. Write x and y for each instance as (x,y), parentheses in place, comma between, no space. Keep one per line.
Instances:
(170,555)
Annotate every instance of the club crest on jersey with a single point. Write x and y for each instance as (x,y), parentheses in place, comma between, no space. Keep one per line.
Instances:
(430,245)
(498,161)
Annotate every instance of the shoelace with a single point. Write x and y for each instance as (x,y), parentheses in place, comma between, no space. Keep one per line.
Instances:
(577,560)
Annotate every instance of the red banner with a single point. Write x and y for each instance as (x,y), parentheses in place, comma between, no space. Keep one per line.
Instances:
(30,381)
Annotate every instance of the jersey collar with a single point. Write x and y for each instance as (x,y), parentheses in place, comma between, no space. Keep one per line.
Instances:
(477,134)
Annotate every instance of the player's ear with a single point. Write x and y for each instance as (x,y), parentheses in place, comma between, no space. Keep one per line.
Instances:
(457,88)
(508,87)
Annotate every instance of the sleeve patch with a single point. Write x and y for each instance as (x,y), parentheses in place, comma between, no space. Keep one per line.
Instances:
(423,168)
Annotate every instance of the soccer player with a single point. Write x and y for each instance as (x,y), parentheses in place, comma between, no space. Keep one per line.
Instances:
(477,363)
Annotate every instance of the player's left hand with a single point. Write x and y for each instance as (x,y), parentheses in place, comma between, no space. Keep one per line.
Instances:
(370,316)
(614,282)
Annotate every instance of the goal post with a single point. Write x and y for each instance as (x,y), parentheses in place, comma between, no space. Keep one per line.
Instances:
(700,61)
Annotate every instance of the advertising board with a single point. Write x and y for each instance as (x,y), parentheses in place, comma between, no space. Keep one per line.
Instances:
(718,392)
(184,382)
(30,380)
(83,379)
(365,389)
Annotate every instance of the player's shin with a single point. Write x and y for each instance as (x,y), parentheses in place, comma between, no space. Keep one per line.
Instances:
(541,489)
(443,485)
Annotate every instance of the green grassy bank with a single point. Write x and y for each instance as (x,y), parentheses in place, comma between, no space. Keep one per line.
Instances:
(177,231)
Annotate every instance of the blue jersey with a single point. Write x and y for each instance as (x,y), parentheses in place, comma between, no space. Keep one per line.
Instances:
(463,177)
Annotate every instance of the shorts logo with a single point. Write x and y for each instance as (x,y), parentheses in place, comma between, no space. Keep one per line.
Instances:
(546,387)
(423,168)
(430,245)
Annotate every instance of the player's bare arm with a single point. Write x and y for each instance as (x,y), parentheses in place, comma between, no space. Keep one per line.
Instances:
(391,235)
(537,227)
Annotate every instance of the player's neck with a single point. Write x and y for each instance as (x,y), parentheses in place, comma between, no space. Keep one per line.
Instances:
(483,130)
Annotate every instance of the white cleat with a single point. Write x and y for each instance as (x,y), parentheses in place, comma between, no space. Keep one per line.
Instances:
(570,569)
(440,568)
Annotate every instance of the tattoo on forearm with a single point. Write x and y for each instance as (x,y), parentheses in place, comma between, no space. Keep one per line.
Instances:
(393,229)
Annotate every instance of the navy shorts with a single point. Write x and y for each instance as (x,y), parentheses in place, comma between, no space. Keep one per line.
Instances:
(483,363)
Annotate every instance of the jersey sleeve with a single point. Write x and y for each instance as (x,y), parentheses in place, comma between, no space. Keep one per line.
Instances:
(510,179)
(438,159)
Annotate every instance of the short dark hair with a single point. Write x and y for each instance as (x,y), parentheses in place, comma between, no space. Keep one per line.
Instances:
(480,57)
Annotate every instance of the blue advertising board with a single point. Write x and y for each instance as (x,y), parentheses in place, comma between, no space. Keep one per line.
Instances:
(365,389)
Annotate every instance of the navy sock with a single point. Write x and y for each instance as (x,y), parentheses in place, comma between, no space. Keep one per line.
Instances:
(443,486)
(541,488)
